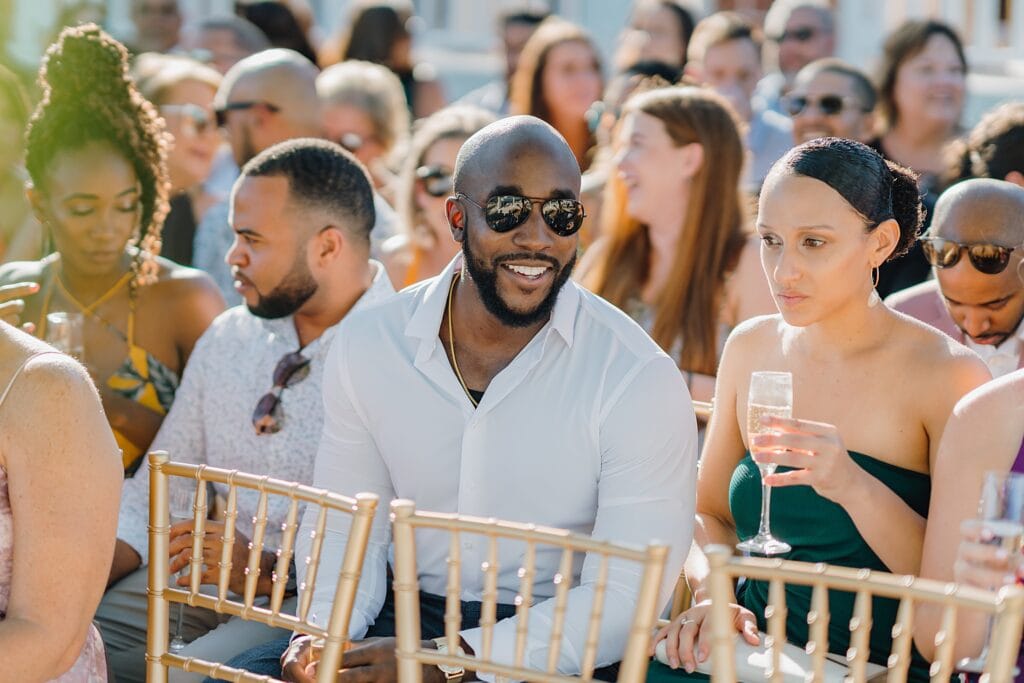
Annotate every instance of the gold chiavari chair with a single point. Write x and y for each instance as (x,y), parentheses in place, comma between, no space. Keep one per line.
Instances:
(1006,607)
(412,656)
(335,636)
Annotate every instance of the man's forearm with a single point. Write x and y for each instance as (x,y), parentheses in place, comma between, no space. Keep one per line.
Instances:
(126,560)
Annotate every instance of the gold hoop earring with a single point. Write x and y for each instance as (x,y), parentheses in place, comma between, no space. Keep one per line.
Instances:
(873,298)
(874,277)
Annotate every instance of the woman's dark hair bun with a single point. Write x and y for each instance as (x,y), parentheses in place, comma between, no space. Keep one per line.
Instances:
(907,207)
(85,61)
(876,188)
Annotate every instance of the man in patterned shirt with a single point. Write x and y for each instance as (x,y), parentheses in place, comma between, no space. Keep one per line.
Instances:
(302,212)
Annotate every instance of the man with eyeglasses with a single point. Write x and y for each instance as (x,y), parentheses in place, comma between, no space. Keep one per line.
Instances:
(797,33)
(831,98)
(501,388)
(975,248)
(250,397)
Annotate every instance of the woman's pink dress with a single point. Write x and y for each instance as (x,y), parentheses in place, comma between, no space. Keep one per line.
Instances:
(90,667)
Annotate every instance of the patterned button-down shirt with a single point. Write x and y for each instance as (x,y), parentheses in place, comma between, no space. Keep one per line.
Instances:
(210,422)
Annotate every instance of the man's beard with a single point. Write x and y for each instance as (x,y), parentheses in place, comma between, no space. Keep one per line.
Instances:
(486,279)
(289,295)
(1000,336)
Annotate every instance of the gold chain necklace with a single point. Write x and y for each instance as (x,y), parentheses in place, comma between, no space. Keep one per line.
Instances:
(451,340)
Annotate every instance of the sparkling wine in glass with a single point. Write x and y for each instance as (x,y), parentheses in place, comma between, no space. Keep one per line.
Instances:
(64,332)
(771,395)
(1001,517)
(180,496)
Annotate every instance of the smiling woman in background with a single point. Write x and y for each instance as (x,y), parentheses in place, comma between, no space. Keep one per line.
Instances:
(96,158)
(921,87)
(558,78)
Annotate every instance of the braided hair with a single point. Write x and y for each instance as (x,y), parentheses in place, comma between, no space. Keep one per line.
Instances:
(88,96)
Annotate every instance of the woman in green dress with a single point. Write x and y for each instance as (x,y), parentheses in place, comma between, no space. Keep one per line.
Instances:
(872,390)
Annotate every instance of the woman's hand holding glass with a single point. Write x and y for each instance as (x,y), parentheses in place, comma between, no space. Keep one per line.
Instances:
(814,450)
(688,637)
(982,561)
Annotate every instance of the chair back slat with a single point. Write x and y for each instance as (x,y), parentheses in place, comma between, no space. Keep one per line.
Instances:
(527,575)
(346,586)
(406,591)
(453,596)
(227,550)
(596,613)
(284,557)
(722,630)
(361,509)
(562,582)
(817,620)
(1007,606)
(489,602)
(490,656)
(776,615)
(942,667)
(902,638)
(312,561)
(1004,644)
(860,634)
(633,666)
(199,511)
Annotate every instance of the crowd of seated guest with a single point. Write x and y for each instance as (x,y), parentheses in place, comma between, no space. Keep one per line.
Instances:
(576,264)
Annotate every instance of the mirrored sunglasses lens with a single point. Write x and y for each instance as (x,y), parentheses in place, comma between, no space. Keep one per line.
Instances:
(263,417)
(563,215)
(941,253)
(506,212)
(989,258)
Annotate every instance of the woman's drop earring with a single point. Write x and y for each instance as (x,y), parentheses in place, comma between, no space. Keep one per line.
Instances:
(873,298)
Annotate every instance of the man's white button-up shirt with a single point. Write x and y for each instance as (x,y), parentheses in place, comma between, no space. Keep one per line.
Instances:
(589,428)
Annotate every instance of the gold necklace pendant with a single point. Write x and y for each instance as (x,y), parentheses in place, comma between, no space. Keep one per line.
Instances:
(451,340)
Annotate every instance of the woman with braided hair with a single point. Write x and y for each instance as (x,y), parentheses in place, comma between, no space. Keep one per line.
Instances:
(96,159)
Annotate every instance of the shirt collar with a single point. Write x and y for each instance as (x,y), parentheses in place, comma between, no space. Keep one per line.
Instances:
(426,317)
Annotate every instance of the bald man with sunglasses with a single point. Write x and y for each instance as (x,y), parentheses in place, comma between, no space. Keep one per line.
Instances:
(501,388)
(975,249)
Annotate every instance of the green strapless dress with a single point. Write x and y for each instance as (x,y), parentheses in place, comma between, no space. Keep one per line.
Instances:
(819,531)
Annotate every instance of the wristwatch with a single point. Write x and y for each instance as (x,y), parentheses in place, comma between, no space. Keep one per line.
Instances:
(451,673)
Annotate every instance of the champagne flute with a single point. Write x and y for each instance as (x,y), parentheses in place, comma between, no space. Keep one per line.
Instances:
(771,395)
(64,332)
(1001,515)
(180,496)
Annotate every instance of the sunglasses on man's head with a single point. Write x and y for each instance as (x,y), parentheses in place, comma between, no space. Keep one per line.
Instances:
(990,259)
(829,105)
(222,112)
(505,212)
(291,369)
(800,35)
(437,180)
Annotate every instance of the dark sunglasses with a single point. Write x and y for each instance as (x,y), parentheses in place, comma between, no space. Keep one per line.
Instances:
(222,112)
(506,212)
(291,369)
(829,105)
(990,259)
(800,35)
(194,119)
(437,180)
